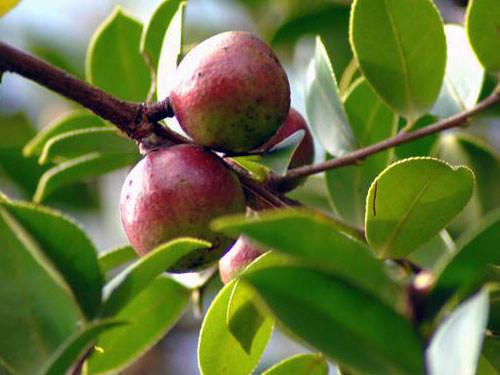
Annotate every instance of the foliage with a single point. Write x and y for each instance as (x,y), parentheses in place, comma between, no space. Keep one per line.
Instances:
(399,275)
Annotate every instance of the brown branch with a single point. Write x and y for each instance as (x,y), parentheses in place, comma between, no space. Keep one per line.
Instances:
(401,138)
(135,119)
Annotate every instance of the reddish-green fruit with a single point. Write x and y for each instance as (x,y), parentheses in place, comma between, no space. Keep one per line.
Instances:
(230,92)
(238,257)
(176,192)
(304,154)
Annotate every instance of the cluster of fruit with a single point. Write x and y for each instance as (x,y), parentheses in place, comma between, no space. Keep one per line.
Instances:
(230,95)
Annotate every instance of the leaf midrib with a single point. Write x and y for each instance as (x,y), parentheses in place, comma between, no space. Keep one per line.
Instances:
(404,65)
(403,220)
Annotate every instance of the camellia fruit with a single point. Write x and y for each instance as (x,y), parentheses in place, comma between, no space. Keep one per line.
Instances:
(176,192)
(230,92)
(238,257)
(304,154)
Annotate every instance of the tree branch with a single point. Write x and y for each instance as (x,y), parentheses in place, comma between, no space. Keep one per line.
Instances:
(139,121)
(135,119)
(404,137)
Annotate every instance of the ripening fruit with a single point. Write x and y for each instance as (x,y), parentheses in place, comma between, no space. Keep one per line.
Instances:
(238,257)
(304,154)
(230,92)
(176,192)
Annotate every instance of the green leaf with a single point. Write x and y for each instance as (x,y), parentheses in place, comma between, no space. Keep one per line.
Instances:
(252,165)
(152,313)
(371,121)
(153,34)
(171,50)
(300,364)
(321,240)
(418,147)
(411,201)
(329,21)
(459,337)
(491,351)
(215,339)
(435,253)
(481,22)
(469,150)
(401,49)
(24,172)
(494,321)
(131,281)
(243,317)
(116,257)
(478,249)
(114,62)
(67,247)
(325,111)
(484,367)
(312,193)
(72,121)
(278,158)
(342,321)
(37,312)
(463,78)
(80,142)
(74,348)
(90,165)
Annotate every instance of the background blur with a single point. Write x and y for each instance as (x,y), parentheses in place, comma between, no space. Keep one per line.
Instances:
(59,30)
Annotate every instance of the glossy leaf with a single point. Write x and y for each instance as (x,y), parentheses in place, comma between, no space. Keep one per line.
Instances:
(23,172)
(484,367)
(153,34)
(116,257)
(330,21)
(371,121)
(7,5)
(461,148)
(300,364)
(435,253)
(243,317)
(278,158)
(37,313)
(66,123)
(419,147)
(149,315)
(482,29)
(463,78)
(252,165)
(171,50)
(491,352)
(411,201)
(324,108)
(135,278)
(114,62)
(76,143)
(74,348)
(494,281)
(319,239)
(90,165)
(456,345)
(342,321)
(214,358)
(478,249)
(401,49)
(68,248)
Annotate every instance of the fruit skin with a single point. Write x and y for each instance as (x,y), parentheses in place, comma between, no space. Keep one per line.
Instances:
(176,192)
(304,154)
(238,257)
(230,92)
